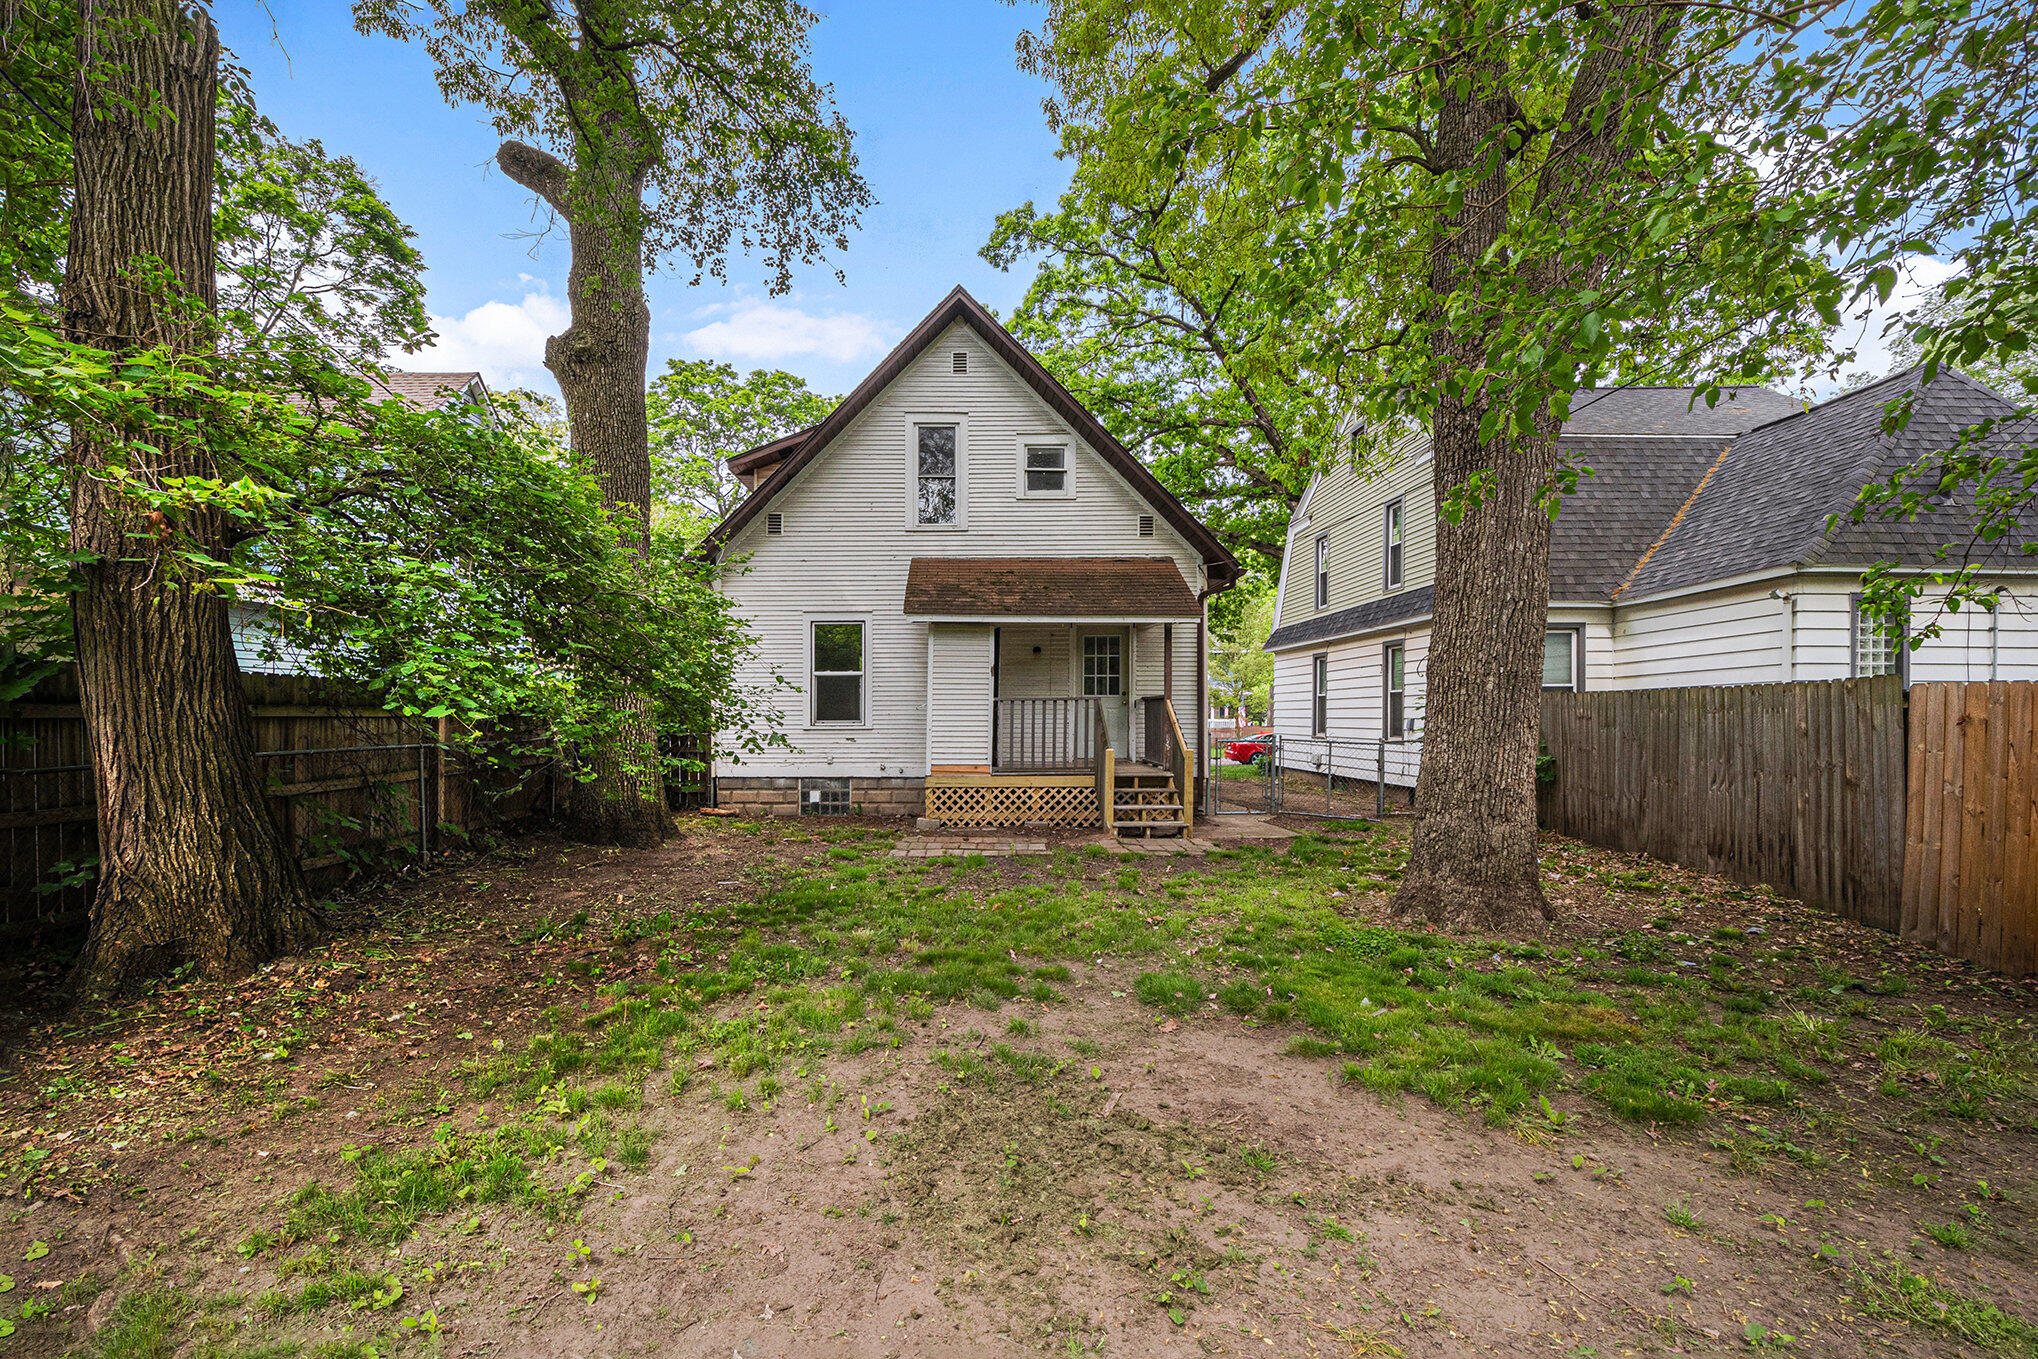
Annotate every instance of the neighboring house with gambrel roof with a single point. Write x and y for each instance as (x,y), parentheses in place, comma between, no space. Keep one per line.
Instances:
(1698,552)
(983,602)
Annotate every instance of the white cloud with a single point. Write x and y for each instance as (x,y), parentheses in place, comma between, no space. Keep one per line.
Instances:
(1874,352)
(765,332)
(504,340)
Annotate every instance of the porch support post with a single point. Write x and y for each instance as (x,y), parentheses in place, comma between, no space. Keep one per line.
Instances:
(1168,663)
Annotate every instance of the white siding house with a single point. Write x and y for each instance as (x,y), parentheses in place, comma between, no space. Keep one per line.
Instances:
(1698,552)
(962,577)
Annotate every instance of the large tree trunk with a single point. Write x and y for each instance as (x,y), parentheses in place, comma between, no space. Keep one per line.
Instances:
(1474,861)
(600,362)
(192,865)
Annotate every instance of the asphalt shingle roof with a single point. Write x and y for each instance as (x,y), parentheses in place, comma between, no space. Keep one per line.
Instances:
(1768,502)
(1048,587)
(1673,410)
(426,391)
(1374,613)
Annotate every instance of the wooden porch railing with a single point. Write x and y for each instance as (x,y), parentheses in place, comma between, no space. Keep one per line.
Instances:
(1046,735)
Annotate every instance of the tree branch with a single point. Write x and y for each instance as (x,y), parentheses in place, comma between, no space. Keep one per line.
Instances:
(543,173)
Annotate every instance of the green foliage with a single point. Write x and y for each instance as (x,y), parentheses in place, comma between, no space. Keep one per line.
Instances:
(1241,670)
(708,111)
(701,414)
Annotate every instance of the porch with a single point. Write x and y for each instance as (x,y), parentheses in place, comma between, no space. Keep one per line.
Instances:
(1049,683)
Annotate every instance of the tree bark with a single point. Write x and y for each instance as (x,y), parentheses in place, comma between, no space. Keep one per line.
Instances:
(1474,860)
(193,867)
(600,361)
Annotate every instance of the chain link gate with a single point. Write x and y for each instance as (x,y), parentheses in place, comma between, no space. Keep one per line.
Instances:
(1332,777)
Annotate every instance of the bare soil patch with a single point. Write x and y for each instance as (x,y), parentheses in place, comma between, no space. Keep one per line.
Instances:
(1057,1166)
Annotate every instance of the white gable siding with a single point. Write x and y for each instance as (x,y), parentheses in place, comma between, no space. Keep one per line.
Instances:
(846,546)
(1348,506)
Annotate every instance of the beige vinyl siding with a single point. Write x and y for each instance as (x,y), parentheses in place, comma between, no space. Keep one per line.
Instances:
(959,693)
(846,545)
(1349,507)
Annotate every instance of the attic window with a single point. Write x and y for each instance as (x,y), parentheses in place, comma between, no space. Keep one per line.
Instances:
(1146,526)
(774,523)
(958,362)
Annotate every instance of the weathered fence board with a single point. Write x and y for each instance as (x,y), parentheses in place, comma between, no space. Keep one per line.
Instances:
(341,777)
(1800,786)
(1971,836)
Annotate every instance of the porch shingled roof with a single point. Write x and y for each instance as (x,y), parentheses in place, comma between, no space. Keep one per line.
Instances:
(1048,587)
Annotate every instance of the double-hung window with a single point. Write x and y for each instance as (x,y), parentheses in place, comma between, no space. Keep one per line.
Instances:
(1395,725)
(1322,570)
(1560,658)
(1319,711)
(936,479)
(1876,650)
(1046,471)
(1390,550)
(838,673)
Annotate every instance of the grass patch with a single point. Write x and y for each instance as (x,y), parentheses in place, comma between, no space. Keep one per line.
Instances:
(1896,1294)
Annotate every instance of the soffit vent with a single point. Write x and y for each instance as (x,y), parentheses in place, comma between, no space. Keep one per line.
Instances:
(1146,526)
(774,523)
(958,362)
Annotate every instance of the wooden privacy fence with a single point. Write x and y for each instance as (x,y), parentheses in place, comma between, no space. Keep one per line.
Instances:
(1916,814)
(1800,786)
(343,779)
(1971,839)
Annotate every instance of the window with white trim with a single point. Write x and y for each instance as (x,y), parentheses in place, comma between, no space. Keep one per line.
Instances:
(1046,470)
(937,475)
(1390,553)
(838,673)
(1560,658)
(1322,570)
(1395,712)
(1876,650)
(1319,683)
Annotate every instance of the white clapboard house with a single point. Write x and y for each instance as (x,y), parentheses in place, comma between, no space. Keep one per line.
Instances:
(1698,552)
(988,611)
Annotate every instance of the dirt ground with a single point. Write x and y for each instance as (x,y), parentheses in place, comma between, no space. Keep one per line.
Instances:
(1087,1175)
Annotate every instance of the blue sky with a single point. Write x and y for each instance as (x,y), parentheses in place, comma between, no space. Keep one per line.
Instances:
(948,131)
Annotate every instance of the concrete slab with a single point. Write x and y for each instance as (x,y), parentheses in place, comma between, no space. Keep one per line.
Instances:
(1243,826)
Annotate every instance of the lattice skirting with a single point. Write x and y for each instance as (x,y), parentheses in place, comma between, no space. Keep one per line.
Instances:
(981,804)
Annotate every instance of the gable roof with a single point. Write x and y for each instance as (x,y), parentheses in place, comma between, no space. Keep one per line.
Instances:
(960,306)
(768,452)
(1767,502)
(425,391)
(1674,410)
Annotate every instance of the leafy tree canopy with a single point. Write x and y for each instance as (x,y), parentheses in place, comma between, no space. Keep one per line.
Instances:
(703,413)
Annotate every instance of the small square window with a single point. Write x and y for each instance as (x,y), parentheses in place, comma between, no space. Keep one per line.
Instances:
(1047,469)
(824,797)
(1560,658)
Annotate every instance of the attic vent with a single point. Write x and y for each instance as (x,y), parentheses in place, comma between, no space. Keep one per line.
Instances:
(1146,526)
(958,362)
(774,523)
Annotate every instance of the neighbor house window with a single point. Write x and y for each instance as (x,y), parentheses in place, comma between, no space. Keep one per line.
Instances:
(1876,650)
(935,480)
(1391,546)
(1319,711)
(1047,469)
(838,672)
(1103,666)
(1396,723)
(1560,658)
(1322,570)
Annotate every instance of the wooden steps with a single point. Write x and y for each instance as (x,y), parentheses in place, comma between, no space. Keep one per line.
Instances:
(1145,802)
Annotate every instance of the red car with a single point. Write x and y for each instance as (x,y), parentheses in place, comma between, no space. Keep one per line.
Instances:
(1245,752)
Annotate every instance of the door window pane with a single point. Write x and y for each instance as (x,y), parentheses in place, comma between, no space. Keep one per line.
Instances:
(1101,666)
